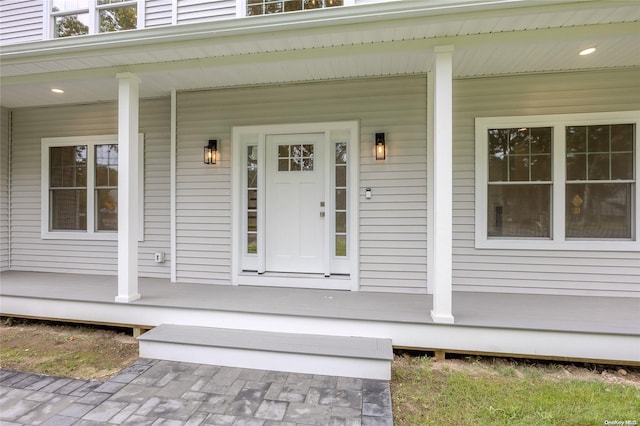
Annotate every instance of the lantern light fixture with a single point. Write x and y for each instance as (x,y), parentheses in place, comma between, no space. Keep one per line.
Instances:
(381,153)
(211,151)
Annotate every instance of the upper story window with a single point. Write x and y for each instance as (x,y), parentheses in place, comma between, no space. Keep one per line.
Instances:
(79,17)
(558,182)
(265,7)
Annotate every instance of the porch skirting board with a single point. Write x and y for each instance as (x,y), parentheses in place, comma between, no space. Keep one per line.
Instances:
(366,358)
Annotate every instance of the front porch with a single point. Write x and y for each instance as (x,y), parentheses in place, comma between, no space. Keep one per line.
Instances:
(539,326)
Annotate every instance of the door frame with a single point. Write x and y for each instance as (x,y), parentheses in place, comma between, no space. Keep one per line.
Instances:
(340,272)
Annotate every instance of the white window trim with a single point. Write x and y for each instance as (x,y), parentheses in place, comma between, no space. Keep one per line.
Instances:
(49,27)
(90,233)
(557,241)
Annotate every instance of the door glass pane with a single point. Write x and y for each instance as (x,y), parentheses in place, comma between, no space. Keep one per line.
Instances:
(341,205)
(599,210)
(295,158)
(519,210)
(252,199)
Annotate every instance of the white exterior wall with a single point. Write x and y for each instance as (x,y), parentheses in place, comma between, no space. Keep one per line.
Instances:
(190,11)
(535,271)
(28,251)
(392,224)
(5,167)
(158,13)
(21,21)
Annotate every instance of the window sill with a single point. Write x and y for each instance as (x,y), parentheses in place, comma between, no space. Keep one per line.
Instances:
(83,236)
(548,244)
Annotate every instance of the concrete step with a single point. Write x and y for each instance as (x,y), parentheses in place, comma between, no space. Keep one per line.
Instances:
(359,357)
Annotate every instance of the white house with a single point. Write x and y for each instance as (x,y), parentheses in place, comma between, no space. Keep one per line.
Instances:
(457,175)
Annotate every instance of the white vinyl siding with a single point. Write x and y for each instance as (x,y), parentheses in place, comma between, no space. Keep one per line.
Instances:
(21,21)
(190,11)
(393,222)
(535,271)
(5,166)
(28,251)
(158,13)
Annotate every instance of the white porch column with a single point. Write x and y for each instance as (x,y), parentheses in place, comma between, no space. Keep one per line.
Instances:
(442,208)
(128,97)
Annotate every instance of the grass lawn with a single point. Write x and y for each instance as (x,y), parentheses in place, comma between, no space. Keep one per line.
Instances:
(479,391)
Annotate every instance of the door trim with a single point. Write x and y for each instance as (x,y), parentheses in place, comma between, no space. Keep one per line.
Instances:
(345,277)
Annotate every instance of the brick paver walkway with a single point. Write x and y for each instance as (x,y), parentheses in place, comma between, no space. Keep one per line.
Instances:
(152,392)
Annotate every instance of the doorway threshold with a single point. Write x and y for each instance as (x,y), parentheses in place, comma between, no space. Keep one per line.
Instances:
(297,280)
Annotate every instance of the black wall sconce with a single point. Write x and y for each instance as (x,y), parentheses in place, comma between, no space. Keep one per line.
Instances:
(210,152)
(381,151)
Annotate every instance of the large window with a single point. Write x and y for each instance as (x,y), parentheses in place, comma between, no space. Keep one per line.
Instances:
(266,7)
(561,181)
(80,187)
(78,17)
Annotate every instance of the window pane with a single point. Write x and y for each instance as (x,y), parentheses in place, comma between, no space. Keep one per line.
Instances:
(341,153)
(576,138)
(598,138)
(68,210)
(341,176)
(599,210)
(498,139)
(252,221)
(263,7)
(498,169)
(598,167)
(622,137)
(106,165)
(576,166)
(341,199)
(541,167)
(341,245)
(520,154)
(622,166)
(519,141)
(71,25)
(69,5)
(68,166)
(292,5)
(541,140)
(519,211)
(341,222)
(103,2)
(252,243)
(118,19)
(107,210)
(518,168)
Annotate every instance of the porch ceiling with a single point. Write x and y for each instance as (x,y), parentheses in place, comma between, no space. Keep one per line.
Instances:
(393,39)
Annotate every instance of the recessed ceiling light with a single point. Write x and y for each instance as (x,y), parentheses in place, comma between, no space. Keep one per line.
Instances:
(587,51)
(55,90)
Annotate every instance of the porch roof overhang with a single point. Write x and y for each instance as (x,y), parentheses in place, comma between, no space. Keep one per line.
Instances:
(396,38)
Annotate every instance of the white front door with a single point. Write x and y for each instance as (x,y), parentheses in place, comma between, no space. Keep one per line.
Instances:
(295,203)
